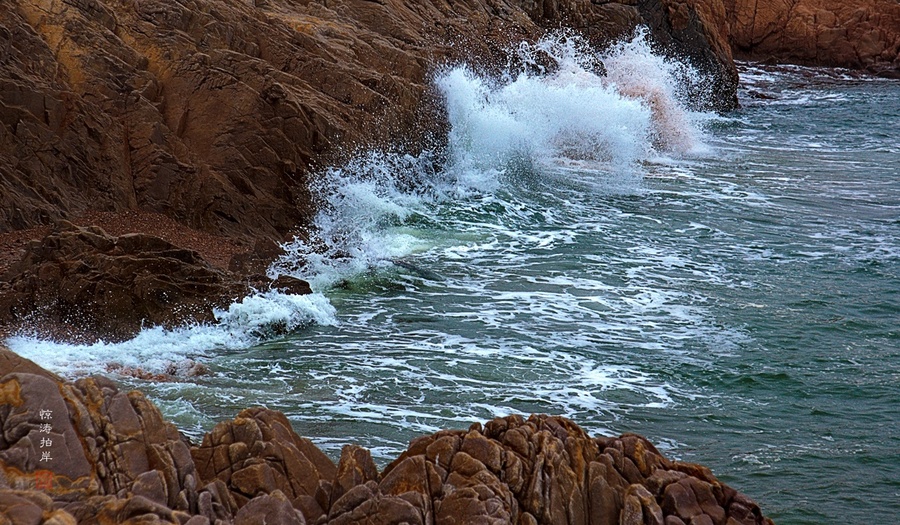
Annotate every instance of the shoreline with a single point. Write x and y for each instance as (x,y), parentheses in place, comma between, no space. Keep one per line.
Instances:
(114,458)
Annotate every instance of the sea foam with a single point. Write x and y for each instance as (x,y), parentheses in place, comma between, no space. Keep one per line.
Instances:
(564,108)
(156,350)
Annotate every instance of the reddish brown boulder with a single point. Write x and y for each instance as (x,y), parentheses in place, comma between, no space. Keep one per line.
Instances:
(78,281)
(269,509)
(81,283)
(257,453)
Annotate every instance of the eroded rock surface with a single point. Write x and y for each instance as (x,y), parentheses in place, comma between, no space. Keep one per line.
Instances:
(79,282)
(213,111)
(862,34)
(113,459)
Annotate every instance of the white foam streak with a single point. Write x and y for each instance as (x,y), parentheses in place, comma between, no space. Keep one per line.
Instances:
(157,350)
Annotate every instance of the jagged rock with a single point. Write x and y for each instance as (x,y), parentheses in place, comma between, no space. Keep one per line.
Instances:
(109,453)
(355,467)
(213,111)
(31,507)
(269,509)
(115,460)
(82,278)
(257,453)
(290,285)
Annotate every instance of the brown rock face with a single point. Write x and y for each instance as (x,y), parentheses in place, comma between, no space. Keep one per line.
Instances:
(694,29)
(109,455)
(88,453)
(213,111)
(79,282)
(87,280)
(817,32)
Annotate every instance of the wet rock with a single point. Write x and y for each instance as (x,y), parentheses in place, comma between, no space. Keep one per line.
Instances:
(118,106)
(79,283)
(115,460)
(83,281)
(290,285)
(696,30)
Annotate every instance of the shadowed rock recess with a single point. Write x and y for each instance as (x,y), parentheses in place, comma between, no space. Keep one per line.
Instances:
(111,458)
(97,285)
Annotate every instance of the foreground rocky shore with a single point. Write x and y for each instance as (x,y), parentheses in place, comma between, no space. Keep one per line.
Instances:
(86,452)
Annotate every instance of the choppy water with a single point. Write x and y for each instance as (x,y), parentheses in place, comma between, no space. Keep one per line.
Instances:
(728,287)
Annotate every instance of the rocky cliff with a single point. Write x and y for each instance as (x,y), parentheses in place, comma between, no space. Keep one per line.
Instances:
(214,114)
(862,34)
(86,452)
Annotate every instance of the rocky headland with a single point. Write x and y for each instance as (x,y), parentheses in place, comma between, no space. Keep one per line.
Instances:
(153,153)
(200,123)
(86,452)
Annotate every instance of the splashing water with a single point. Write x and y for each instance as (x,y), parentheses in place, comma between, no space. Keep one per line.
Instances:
(156,350)
(554,113)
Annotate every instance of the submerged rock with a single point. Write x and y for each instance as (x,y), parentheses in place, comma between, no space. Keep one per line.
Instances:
(113,459)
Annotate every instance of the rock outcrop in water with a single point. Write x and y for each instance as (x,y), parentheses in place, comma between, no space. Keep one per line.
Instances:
(855,35)
(215,112)
(86,452)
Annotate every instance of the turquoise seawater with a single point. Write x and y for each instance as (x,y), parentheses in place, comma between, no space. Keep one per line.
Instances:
(738,302)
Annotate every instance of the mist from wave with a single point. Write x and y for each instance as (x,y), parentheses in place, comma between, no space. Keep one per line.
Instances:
(564,110)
